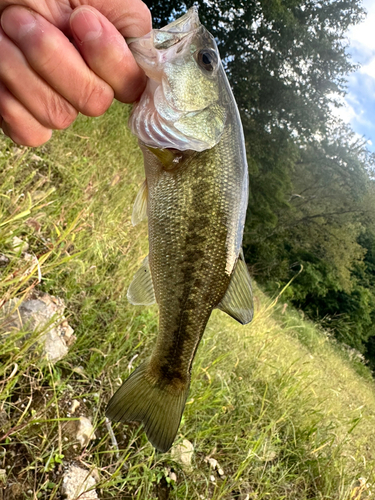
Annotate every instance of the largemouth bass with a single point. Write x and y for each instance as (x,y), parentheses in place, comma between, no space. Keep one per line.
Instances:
(195,196)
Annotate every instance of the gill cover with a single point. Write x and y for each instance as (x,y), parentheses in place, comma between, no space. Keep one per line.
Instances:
(184,105)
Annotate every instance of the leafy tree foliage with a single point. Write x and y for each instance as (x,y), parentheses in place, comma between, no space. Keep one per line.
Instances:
(327,229)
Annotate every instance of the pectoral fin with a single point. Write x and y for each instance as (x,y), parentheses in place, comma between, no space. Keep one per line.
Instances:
(141,290)
(166,156)
(238,300)
(140,205)
(169,158)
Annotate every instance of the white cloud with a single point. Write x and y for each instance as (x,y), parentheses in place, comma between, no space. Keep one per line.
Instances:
(346,111)
(363,33)
(369,69)
(359,103)
(351,110)
(362,41)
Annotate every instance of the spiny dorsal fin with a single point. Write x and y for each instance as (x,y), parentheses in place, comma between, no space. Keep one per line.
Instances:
(238,299)
(140,205)
(141,290)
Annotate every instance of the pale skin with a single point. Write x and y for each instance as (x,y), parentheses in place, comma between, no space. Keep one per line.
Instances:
(45,80)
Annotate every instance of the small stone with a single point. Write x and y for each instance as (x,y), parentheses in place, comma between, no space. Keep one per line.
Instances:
(36,158)
(78,483)
(29,257)
(74,405)
(85,431)
(95,474)
(212,478)
(183,454)
(19,245)
(44,314)
(80,430)
(213,463)
(4,261)
(173,476)
(3,476)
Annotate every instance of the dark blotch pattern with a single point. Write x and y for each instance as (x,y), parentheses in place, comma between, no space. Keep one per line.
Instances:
(193,219)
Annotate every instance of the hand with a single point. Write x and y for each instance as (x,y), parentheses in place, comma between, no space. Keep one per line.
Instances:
(45,80)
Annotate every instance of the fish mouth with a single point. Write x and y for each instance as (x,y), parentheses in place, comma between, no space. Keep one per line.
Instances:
(186,23)
(151,50)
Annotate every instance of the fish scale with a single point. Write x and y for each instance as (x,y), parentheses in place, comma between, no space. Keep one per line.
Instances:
(200,255)
(195,192)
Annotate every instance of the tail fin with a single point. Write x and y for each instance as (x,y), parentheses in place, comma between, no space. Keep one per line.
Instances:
(154,404)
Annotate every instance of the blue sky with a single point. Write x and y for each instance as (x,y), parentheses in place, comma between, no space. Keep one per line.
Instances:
(359,103)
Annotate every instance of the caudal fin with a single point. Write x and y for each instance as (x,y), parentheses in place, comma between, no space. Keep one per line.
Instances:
(156,405)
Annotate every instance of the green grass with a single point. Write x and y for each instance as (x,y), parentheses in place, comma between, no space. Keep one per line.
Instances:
(287,412)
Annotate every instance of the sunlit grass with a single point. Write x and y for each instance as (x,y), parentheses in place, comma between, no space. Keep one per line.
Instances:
(286,412)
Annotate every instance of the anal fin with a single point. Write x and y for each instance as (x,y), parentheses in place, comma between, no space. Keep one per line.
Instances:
(141,289)
(238,299)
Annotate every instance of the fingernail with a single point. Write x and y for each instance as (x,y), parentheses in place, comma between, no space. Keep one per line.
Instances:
(17,22)
(85,25)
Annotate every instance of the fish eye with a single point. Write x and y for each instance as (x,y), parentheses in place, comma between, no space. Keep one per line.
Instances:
(207,59)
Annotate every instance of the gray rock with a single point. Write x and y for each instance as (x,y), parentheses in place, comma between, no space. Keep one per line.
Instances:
(43,314)
(183,454)
(79,483)
(19,245)
(80,430)
(85,431)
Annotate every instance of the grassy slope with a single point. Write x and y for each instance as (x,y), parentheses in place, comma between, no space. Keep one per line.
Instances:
(284,410)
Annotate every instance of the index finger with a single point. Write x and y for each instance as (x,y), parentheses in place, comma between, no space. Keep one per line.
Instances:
(50,54)
(107,55)
(131,17)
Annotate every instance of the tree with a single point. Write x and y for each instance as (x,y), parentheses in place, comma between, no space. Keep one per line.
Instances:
(327,228)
